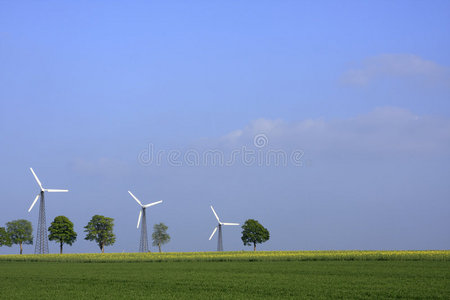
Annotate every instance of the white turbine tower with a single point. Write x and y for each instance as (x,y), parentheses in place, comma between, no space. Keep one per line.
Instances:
(41,246)
(219,226)
(143,244)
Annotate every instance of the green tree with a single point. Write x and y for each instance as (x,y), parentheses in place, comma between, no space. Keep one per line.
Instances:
(254,233)
(100,229)
(61,230)
(20,232)
(160,235)
(5,239)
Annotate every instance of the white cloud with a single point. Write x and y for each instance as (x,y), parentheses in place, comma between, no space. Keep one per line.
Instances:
(386,131)
(395,65)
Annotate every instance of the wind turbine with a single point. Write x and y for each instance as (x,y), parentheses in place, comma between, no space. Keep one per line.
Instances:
(219,226)
(143,243)
(41,246)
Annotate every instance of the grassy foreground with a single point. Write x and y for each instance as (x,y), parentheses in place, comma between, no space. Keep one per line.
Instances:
(229,275)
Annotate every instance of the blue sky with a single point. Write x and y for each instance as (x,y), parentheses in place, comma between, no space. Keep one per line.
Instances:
(361,89)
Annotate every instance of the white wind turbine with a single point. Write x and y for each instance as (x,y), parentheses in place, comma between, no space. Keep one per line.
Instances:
(219,227)
(41,237)
(143,244)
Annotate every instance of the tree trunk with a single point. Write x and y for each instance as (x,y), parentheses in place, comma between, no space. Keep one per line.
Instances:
(21,249)
(102,247)
(254,246)
(159,245)
(60,247)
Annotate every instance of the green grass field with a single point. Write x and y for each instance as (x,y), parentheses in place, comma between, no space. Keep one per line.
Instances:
(229,275)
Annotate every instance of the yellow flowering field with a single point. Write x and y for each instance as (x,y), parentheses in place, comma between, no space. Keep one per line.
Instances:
(347,255)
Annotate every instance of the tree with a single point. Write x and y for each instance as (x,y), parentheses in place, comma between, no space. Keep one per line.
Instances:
(160,235)
(61,230)
(100,229)
(254,233)
(5,239)
(20,232)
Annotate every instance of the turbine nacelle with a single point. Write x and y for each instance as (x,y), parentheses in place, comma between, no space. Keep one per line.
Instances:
(42,190)
(142,206)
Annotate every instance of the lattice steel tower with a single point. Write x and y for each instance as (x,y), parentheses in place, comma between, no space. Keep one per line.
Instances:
(41,243)
(219,239)
(143,243)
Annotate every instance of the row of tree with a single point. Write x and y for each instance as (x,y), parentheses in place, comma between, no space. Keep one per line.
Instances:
(100,230)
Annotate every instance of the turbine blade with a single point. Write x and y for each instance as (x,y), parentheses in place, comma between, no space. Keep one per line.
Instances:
(235,224)
(212,234)
(34,202)
(55,191)
(139,219)
(151,204)
(137,200)
(37,179)
(217,217)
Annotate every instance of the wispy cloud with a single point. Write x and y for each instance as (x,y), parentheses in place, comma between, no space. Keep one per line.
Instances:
(395,65)
(386,130)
